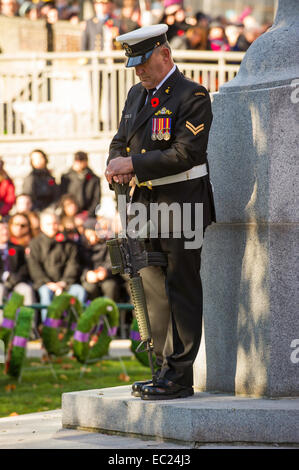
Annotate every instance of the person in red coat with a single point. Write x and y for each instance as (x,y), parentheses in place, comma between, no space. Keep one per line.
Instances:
(7,191)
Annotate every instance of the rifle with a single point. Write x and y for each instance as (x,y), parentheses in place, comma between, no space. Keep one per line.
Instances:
(128,256)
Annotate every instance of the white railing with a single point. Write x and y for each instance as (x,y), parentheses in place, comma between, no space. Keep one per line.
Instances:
(59,95)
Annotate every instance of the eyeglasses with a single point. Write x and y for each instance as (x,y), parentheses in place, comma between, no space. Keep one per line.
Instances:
(20,225)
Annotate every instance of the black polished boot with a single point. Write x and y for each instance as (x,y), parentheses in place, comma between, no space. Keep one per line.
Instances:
(164,389)
(137,386)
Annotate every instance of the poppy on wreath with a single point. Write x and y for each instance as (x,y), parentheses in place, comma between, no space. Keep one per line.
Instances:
(51,182)
(11,251)
(155,102)
(59,237)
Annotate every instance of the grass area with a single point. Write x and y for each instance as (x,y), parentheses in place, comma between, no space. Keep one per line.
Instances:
(39,390)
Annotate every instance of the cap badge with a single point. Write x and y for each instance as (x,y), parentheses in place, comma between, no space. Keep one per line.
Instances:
(167,90)
(127,48)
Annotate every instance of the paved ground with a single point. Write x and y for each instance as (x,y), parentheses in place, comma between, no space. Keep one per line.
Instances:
(44,431)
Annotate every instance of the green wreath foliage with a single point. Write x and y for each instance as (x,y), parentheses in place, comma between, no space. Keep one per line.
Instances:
(135,341)
(17,351)
(90,347)
(9,314)
(57,332)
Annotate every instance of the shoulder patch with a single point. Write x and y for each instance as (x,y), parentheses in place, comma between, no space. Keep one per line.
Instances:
(195,129)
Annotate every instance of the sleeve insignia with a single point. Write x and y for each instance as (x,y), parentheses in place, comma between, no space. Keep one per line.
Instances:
(199,93)
(195,129)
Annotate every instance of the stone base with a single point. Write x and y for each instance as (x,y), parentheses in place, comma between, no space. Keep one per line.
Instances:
(204,417)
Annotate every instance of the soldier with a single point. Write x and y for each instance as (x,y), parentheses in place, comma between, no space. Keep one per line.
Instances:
(101,30)
(162,141)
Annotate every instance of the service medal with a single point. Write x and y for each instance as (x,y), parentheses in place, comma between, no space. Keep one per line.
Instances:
(160,134)
(154,128)
(166,135)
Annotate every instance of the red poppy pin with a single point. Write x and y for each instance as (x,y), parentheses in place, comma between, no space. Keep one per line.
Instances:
(109,23)
(59,237)
(51,182)
(88,176)
(72,301)
(155,102)
(11,251)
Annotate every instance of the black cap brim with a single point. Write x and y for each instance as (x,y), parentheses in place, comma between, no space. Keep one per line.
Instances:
(139,59)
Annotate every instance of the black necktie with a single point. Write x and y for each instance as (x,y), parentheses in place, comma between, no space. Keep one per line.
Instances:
(147,96)
(150,93)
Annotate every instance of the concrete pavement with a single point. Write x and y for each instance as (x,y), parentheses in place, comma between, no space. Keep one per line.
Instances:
(44,431)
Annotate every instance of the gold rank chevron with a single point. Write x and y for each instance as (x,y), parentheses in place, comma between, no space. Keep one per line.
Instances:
(193,129)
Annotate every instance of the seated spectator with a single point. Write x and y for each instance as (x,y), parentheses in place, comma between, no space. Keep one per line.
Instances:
(23,203)
(7,191)
(34,222)
(20,230)
(68,206)
(40,185)
(53,263)
(217,40)
(83,184)
(79,222)
(96,277)
(14,275)
(68,227)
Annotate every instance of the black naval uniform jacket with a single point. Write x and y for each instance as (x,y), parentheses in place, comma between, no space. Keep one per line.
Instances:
(189,107)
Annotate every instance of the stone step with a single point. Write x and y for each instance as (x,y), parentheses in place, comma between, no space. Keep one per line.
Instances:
(205,417)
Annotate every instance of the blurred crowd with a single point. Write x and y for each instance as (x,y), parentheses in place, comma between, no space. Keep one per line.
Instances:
(52,236)
(195,31)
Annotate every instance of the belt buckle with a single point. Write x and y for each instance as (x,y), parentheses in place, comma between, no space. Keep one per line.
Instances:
(148,184)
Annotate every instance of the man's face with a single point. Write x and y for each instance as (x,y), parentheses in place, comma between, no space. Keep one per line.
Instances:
(19,226)
(91,236)
(152,72)
(38,160)
(24,203)
(79,165)
(49,225)
(103,9)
